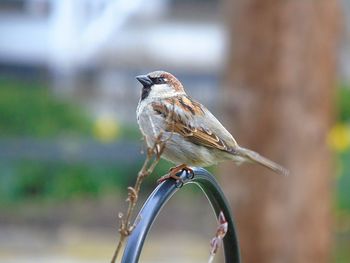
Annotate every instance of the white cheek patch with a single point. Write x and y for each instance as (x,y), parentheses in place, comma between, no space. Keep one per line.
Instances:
(161,89)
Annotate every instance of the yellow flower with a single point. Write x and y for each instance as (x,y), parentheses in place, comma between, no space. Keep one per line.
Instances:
(106,128)
(339,137)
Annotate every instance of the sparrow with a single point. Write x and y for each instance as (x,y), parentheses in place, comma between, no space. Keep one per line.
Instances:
(192,134)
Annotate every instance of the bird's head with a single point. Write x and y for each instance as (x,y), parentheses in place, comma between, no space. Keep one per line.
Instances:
(160,84)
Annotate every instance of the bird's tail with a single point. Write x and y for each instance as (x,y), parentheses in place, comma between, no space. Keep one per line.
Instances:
(257,158)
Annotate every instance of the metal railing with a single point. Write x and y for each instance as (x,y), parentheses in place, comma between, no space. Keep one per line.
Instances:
(160,196)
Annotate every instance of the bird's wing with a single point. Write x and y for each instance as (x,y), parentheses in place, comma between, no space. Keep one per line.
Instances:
(194,122)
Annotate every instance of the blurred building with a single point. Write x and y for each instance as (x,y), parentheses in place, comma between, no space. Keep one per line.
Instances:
(92,50)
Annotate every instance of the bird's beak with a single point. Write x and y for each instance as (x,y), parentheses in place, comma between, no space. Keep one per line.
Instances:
(145,80)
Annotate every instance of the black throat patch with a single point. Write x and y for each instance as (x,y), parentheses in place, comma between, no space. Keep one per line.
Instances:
(145,92)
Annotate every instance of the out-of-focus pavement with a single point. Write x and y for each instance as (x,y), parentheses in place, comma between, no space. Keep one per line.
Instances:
(87,231)
(74,244)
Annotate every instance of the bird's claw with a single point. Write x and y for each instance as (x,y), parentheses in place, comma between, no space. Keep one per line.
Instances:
(173,174)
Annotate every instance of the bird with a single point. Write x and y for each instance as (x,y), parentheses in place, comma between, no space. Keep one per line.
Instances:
(193,135)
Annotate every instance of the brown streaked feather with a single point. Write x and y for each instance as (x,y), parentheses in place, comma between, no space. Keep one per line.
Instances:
(202,137)
(187,104)
(198,135)
(160,109)
(172,81)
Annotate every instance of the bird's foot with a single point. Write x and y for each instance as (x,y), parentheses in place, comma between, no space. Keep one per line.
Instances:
(174,171)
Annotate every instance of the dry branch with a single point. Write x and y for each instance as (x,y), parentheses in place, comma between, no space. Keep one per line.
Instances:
(126,226)
(219,236)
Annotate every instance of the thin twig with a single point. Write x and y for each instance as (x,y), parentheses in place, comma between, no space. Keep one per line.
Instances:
(219,235)
(152,159)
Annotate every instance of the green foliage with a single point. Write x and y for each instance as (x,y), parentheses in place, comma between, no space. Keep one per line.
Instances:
(28,180)
(130,132)
(29,109)
(343,103)
(32,180)
(343,183)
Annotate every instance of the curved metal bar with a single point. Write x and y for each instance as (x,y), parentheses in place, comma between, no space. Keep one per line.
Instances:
(159,197)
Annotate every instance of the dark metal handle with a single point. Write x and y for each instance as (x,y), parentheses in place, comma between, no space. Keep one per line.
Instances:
(159,197)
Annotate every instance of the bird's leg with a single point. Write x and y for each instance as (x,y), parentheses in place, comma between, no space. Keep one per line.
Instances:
(173,173)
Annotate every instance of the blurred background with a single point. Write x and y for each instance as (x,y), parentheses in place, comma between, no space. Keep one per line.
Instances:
(277,73)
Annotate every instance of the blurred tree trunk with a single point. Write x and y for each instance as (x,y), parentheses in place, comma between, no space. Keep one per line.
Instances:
(278,96)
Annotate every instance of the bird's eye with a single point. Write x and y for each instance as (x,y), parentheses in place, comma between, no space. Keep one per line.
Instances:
(158,80)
